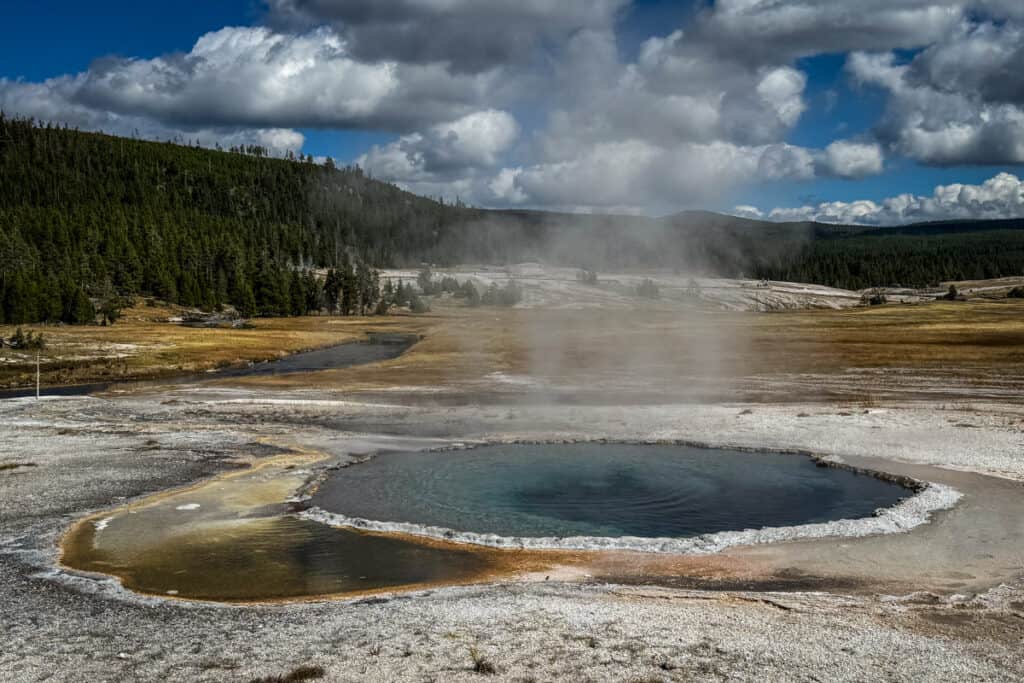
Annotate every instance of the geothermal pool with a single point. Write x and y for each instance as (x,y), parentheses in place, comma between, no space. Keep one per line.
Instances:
(234,538)
(601,490)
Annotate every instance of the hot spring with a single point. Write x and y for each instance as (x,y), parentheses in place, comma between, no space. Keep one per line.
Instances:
(600,490)
(234,538)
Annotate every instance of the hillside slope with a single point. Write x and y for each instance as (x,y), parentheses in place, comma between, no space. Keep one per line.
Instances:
(87,216)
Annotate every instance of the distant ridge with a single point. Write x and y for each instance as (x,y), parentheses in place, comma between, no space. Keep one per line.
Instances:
(87,215)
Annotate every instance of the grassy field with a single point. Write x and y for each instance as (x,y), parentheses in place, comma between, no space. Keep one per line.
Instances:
(144,345)
(940,334)
(564,348)
(579,351)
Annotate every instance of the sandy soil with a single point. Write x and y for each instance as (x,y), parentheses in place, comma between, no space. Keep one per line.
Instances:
(943,601)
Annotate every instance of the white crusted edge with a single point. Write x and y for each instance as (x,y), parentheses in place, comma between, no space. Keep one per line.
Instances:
(902,517)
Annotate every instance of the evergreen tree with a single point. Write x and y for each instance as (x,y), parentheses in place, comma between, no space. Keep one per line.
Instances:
(648,289)
(78,309)
(471,294)
(311,290)
(349,289)
(368,286)
(332,291)
(270,290)
(296,294)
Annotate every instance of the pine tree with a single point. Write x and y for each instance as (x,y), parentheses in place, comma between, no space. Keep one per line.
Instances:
(78,309)
(296,294)
(368,287)
(349,289)
(332,291)
(311,290)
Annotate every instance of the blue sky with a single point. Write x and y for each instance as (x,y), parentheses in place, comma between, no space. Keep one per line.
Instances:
(43,39)
(838,108)
(594,105)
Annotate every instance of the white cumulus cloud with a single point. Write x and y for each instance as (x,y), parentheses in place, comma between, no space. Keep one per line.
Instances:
(960,101)
(853,159)
(541,103)
(474,141)
(999,197)
(252,78)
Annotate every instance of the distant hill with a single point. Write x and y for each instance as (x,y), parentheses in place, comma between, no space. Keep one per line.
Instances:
(846,256)
(859,257)
(88,216)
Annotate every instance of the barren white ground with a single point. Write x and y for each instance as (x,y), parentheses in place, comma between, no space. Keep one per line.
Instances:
(92,453)
(944,601)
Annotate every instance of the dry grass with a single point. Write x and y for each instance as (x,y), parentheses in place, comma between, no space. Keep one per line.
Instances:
(144,345)
(8,466)
(665,350)
(938,334)
(566,348)
(481,664)
(303,673)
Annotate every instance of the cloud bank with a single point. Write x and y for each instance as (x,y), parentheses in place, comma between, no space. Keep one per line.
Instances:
(1001,196)
(543,104)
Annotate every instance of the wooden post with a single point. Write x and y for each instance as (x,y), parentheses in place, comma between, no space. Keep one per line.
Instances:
(38,353)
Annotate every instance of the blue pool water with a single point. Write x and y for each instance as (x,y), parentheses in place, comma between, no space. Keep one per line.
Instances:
(543,490)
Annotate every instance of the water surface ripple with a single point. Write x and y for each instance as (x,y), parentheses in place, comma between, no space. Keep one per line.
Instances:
(610,490)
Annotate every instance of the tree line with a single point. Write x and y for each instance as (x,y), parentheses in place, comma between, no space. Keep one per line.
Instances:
(907,260)
(88,221)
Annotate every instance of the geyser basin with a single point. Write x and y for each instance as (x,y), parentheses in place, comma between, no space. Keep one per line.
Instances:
(233,538)
(601,490)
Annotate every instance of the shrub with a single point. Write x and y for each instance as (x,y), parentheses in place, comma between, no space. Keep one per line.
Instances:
(418,305)
(509,295)
(471,294)
(303,673)
(648,289)
(425,280)
(874,298)
(481,664)
(29,341)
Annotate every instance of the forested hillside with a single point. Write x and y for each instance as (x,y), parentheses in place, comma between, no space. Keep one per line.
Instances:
(850,257)
(905,257)
(87,219)
(88,216)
